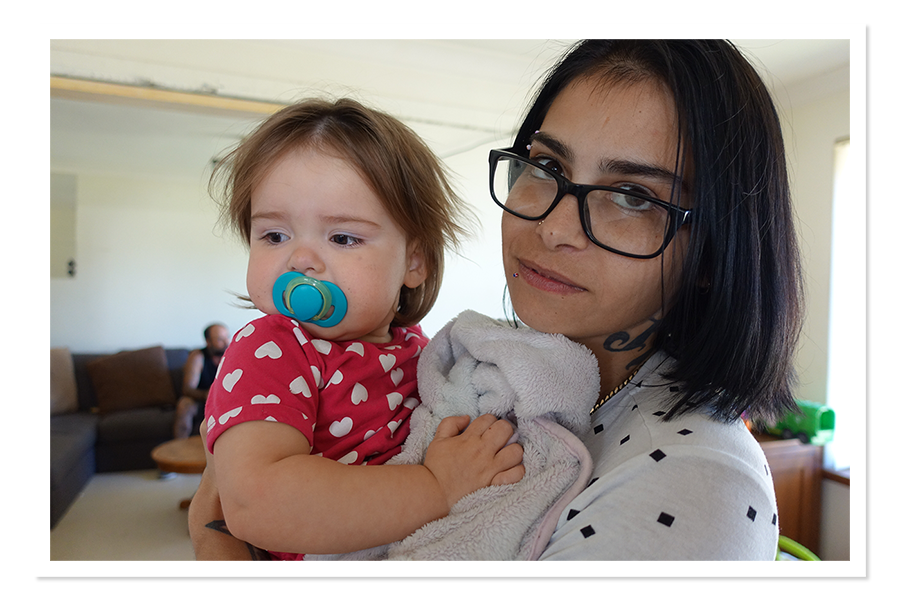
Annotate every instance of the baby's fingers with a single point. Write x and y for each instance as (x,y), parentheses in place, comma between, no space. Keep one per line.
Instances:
(451,426)
(509,462)
(513,475)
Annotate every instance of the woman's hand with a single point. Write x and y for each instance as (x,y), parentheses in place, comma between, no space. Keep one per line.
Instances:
(464,459)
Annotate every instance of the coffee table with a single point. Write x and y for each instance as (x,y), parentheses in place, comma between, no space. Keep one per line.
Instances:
(181,456)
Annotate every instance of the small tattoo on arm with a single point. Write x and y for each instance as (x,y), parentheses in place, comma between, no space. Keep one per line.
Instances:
(255,553)
(218,525)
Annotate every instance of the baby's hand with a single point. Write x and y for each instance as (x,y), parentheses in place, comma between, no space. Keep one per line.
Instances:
(464,459)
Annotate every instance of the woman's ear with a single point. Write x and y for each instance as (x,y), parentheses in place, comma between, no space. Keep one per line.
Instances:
(417,270)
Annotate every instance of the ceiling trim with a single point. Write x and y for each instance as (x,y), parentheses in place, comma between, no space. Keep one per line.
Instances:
(151,97)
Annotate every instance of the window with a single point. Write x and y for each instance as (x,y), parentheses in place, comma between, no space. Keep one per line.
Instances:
(847,316)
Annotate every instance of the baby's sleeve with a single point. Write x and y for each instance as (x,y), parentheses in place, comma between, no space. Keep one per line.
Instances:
(264,376)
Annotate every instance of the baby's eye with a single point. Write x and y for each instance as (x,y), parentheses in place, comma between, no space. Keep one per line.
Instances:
(342,239)
(274,237)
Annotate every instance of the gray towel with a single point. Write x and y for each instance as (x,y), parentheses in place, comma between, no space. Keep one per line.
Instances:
(544,384)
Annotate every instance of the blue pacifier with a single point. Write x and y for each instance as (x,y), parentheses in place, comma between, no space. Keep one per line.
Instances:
(309,300)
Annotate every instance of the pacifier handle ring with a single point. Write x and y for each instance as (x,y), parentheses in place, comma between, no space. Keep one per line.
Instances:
(320,287)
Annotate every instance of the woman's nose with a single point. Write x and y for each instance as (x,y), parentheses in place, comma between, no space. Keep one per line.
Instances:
(562,227)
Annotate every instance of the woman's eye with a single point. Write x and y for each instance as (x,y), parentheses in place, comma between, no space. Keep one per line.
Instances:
(549,164)
(632,202)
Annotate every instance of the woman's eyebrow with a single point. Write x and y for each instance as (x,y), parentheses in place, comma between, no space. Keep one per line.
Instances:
(628,167)
(616,166)
(553,144)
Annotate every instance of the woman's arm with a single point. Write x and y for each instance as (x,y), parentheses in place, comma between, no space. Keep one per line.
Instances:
(275,495)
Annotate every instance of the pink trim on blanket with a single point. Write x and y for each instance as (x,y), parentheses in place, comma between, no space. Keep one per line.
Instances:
(548,522)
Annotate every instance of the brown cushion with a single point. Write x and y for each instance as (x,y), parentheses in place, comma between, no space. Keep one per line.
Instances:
(132,379)
(63,391)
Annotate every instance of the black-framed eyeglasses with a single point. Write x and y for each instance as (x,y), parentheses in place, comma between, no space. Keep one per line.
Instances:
(622,221)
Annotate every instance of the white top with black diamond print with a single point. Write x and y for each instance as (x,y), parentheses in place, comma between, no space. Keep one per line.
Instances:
(687,489)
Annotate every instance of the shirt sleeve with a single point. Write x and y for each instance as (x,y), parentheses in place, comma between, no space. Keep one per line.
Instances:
(265,375)
(677,503)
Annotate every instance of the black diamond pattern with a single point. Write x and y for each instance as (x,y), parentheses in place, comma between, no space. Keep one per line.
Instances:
(657,455)
(751,513)
(572,513)
(666,519)
(587,531)
(685,432)
(624,439)
(598,428)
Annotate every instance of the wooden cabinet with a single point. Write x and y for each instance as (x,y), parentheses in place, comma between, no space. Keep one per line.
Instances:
(797,474)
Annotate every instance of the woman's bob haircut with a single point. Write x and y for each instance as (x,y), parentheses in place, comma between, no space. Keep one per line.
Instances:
(734,323)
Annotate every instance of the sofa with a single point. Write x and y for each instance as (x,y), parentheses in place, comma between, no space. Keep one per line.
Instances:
(107,412)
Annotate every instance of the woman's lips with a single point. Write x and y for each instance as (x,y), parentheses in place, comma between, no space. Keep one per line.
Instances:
(546,280)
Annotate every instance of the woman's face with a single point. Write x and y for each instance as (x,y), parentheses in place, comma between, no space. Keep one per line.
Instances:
(620,135)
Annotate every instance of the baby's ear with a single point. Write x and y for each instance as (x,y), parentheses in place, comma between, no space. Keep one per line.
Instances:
(417,270)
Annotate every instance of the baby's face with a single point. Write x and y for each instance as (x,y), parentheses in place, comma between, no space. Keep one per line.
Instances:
(313,214)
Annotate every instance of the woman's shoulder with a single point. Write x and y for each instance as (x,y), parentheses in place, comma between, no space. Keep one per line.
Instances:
(636,418)
(687,488)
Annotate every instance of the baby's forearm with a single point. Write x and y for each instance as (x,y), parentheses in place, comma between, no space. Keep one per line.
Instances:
(313,505)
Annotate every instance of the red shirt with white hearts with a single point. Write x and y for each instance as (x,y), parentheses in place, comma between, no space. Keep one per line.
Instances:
(352,400)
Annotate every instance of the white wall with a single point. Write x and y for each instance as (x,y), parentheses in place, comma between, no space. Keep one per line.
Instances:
(152,267)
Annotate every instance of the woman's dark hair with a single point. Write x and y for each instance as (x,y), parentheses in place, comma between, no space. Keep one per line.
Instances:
(734,324)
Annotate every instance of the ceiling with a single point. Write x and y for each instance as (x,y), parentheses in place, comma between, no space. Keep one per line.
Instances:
(457,94)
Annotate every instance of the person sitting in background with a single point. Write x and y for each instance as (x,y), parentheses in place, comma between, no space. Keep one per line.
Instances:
(199,374)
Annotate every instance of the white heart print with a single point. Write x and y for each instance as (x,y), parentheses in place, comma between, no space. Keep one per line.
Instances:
(270,399)
(387,361)
(336,378)
(299,386)
(359,394)
(341,428)
(269,349)
(397,376)
(349,458)
(394,400)
(358,348)
(246,331)
(231,379)
(323,346)
(231,413)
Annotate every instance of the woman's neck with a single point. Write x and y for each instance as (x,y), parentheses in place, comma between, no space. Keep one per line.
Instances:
(619,356)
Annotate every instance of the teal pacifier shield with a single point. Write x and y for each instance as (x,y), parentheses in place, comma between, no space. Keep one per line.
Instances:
(309,300)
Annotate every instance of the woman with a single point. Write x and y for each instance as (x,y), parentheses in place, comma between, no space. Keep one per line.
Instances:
(647,217)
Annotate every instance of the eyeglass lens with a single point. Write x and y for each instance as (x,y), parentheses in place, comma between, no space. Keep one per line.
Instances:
(616,219)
